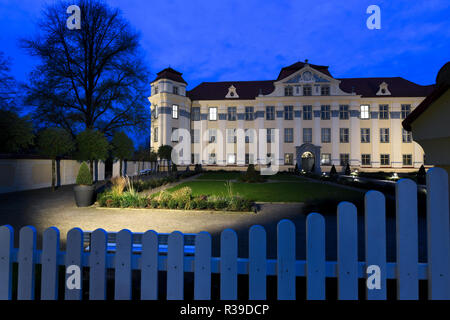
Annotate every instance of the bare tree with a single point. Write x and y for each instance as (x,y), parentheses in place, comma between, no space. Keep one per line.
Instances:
(8,88)
(91,78)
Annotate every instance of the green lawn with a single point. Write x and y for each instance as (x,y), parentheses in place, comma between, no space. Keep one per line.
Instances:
(233,175)
(287,191)
(219,175)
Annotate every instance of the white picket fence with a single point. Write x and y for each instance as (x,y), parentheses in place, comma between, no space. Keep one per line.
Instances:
(347,269)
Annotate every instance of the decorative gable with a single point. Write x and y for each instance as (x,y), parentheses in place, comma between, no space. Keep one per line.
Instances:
(232,94)
(383,90)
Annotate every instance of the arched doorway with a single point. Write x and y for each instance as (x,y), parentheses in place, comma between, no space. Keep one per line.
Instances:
(308,157)
(307,161)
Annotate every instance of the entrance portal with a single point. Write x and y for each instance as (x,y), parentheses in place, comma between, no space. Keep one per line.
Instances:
(308,157)
(308,161)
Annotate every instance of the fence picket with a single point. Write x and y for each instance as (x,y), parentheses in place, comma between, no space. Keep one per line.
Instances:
(347,251)
(286,260)
(149,266)
(228,265)
(257,263)
(74,252)
(6,260)
(97,264)
(202,272)
(315,257)
(175,266)
(438,234)
(122,262)
(50,267)
(26,274)
(375,233)
(407,240)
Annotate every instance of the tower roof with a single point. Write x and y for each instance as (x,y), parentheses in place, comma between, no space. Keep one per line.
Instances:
(171,74)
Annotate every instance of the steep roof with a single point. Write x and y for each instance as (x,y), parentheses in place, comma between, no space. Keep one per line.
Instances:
(246,90)
(397,86)
(441,87)
(170,74)
(287,71)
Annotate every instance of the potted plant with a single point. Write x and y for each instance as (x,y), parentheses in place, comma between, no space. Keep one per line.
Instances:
(84,190)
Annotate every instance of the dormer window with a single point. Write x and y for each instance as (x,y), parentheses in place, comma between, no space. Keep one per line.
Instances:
(232,93)
(383,90)
(288,91)
(325,90)
(307,90)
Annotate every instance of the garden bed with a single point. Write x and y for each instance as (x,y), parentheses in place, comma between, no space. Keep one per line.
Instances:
(125,194)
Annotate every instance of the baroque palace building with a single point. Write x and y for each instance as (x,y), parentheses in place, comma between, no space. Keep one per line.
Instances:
(305,116)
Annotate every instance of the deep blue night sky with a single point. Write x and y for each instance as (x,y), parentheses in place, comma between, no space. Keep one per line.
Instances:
(210,40)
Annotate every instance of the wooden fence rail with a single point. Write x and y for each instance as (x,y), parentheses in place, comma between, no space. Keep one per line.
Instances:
(347,269)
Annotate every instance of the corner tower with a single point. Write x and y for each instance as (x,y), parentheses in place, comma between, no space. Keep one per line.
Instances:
(170,108)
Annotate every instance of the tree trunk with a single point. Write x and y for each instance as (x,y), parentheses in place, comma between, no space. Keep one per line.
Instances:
(53,174)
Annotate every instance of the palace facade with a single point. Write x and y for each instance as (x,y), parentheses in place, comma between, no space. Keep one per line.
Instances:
(304,116)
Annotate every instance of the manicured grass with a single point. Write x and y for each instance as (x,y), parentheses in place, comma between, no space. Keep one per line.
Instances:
(285,177)
(303,191)
(219,175)
(233,175)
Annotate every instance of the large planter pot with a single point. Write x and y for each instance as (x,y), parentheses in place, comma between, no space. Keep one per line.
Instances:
(84,195)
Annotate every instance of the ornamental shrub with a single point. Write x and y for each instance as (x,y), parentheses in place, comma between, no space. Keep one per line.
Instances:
(347,170)
(84,176)
(172,204)
(333,171)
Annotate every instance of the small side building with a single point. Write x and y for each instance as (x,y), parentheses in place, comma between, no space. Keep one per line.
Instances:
(430,122)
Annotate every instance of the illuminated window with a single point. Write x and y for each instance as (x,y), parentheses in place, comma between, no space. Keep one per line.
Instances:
(213,113)
(288,158)
(325,159)
(365,111)
(175,111)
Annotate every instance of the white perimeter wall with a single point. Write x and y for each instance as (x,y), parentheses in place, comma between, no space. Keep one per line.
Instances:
(130,168)
(27,174)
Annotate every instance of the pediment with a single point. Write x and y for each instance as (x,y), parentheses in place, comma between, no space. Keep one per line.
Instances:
(308,75)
